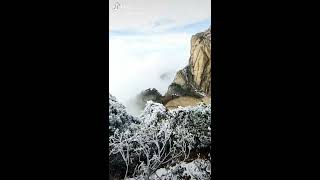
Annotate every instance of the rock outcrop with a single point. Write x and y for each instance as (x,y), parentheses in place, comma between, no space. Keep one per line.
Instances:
(200,61)
(151,95)
(138,103)
(194,81)
(195,78)
(192,84)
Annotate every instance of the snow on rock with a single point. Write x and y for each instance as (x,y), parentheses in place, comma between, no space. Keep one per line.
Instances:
(153,112)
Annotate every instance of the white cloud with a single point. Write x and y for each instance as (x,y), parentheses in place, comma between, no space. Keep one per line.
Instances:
(156,15)
(137,62)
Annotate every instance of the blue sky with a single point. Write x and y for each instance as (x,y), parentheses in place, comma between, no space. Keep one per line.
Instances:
(188,28)
(193,28)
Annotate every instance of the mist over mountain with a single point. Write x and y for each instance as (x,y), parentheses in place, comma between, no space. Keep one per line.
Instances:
(190,85)
(138,61)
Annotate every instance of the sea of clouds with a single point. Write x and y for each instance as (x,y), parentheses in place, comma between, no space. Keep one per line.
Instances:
(137,62)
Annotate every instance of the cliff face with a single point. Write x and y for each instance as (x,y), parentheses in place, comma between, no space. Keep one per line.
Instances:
(195,79)
(191,84)
(200,61)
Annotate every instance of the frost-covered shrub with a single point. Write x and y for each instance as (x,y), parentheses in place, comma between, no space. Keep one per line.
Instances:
(140,147)
(118,116)
(194,170)
(197,119)
(153,113)
(148,147)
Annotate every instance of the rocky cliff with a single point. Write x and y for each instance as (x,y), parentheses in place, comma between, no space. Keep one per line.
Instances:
(200,61)
(193,83)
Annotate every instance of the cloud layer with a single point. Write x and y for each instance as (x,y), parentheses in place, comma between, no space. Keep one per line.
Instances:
(137,62)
